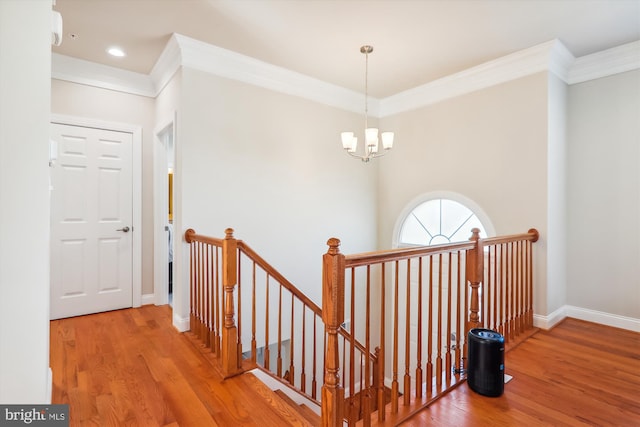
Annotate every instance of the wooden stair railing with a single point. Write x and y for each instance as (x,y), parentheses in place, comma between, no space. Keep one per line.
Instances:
(427,299)
(232,286)
(393,323)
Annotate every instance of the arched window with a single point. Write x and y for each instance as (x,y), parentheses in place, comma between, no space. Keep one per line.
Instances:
(439,218)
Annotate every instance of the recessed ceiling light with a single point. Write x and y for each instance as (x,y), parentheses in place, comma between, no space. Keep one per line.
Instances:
(116,51)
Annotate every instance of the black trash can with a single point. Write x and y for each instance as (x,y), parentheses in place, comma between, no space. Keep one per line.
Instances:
(485,370)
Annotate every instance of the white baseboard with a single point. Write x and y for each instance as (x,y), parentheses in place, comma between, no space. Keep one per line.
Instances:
(549,321)
(181,323)
(148,299)
(609,319)
(603,318)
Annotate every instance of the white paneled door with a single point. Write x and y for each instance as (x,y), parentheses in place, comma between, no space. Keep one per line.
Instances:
(91,221)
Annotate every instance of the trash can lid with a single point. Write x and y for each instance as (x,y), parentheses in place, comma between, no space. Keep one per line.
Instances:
(486,334)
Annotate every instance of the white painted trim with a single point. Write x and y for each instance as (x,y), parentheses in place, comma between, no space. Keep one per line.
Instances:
(167,64)
(136,176)
(441,194)
(103,76)
(595,316)
(148,299)
(228,64)
(182,324)
(549,321)
(606,63)
(519,64)
(603,318)
(551,56)
(160,190)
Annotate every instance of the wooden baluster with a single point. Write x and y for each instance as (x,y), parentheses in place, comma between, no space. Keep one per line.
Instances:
(303,375)
(407,338)
(394,382)
(503,289)
(344,363)
(210,300)
(218,304)
(199,302)
(239,316)
(279,358)
(447,359)
(510,292)
(380,354)
(521,309)
(292,346)
(230,359)
(266,353)
(367,407)
(465,312)
(333,264)
(530,276)
(489,318)
(377,381)
(314,382)
(458,359)
(439,327)
(474,277)
(352,348)
(496,321)
(429,367)
(254,345)
(192,282)
(419,334)
(214,309)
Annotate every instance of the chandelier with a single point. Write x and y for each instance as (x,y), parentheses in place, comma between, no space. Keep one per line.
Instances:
(371,141)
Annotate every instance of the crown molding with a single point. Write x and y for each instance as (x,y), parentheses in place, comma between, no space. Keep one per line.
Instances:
(232,65)
(166,65)
(182,51)
(103,76)
(550,56)
(608,62)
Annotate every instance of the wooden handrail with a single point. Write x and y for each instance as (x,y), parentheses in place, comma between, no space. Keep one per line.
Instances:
(532,236)
(191,236)
(378,257)
(268,268)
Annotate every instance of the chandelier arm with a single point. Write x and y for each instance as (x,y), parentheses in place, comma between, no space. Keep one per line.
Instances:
(371,140)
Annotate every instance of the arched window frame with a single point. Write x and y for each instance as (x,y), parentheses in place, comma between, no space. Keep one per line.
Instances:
(436,195)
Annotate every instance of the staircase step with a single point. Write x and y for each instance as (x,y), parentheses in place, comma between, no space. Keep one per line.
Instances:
(286,411)
(303,409)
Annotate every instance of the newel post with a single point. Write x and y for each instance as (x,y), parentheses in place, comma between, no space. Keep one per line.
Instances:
(475,271)
(230,364)
(333,316)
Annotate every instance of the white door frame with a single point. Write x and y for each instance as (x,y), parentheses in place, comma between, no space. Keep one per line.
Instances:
(160,201)
(136,132)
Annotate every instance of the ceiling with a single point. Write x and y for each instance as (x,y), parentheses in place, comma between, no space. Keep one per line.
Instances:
(415,41)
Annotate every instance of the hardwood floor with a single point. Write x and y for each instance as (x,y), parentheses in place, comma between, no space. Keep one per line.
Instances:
(132,368)
(577,374)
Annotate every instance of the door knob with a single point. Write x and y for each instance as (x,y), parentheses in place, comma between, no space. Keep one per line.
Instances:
(125,229)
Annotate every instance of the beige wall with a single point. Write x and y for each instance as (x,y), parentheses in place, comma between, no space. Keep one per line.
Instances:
(490,146)
(78,100)
(604,195)
(271,166)
(25,81)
